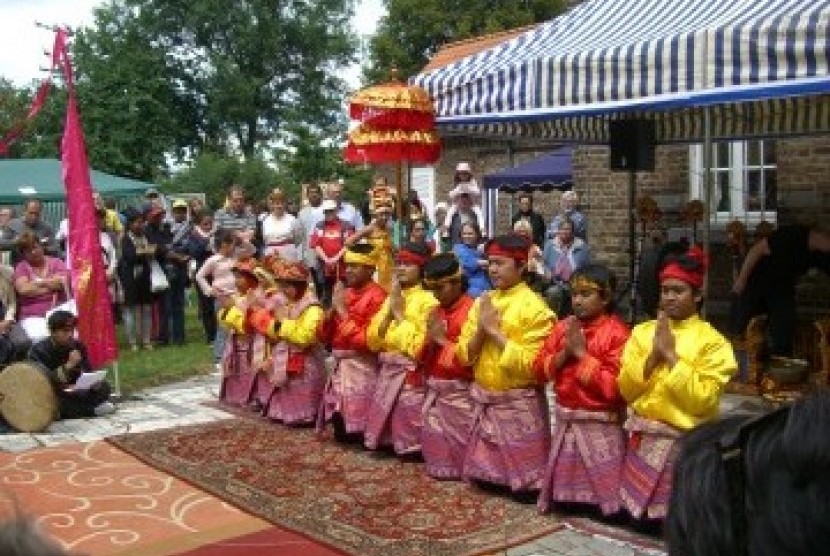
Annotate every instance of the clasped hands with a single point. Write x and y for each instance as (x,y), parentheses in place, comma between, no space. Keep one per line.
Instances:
(662,347)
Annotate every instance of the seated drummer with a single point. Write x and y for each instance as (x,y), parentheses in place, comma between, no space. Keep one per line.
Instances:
(65,359)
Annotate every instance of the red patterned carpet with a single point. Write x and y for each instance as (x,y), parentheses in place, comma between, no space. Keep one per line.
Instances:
(359,502)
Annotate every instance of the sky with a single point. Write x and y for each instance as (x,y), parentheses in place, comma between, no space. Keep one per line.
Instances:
(22,43)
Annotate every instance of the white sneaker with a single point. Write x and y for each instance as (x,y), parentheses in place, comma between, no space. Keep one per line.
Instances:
(104,409)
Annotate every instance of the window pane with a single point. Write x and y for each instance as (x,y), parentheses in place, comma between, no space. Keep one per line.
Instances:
(771,189)
(721,193)
(722,156)
(753,153)
(753,190)
(770,156)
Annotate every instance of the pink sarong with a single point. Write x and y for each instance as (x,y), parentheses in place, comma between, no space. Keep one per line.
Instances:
(395,414)
(510,438)
(586,458)
(448,419)
(237,376)
(349,389)
(645,485)
(296,397)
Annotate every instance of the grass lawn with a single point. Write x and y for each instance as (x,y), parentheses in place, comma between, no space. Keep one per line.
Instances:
(141,369)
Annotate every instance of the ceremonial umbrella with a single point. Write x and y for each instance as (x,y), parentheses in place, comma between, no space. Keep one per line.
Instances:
(397,124)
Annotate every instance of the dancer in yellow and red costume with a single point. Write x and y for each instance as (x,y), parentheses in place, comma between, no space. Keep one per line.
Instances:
(296,372)
(672,375)
(582,360)
(506,327)
(238,374)
(398,332)
(448,408)
(351,386)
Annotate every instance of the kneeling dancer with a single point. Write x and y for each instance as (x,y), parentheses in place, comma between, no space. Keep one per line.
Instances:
(582,359)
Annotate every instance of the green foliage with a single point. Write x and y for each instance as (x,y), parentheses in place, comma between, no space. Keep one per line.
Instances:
(248,71)
(213,174)
(132,115)
(413,30)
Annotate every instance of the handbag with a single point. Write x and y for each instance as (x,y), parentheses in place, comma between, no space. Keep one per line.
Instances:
(158,279)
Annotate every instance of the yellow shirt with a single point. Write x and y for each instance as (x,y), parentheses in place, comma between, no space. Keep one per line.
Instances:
(406,337)
(526,322)
(687,394)
(302,331)
(112,222)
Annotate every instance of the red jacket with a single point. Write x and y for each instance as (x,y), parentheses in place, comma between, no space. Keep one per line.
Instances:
(441,362)
(349,333)
(605,337)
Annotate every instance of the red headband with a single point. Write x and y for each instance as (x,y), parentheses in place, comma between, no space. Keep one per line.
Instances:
(410,258)
(519,254)
(693,277)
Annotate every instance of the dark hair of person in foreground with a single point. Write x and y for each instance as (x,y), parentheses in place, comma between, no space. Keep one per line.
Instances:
(20,536)
(755,486)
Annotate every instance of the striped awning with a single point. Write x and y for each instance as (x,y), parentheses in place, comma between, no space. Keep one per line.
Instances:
(761,64)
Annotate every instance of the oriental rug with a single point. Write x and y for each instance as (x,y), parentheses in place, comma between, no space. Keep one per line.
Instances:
(359,502)
(100,501)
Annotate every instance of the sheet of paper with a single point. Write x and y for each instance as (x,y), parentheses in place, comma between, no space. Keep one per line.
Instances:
(87,380)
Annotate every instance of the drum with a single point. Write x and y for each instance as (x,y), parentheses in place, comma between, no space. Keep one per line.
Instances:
(27,400)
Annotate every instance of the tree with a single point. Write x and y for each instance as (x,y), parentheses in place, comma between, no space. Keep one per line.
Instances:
(213,174)
(413,30)
(132,114)
(248,71)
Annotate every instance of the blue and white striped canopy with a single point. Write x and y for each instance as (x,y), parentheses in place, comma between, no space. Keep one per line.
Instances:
(762,64)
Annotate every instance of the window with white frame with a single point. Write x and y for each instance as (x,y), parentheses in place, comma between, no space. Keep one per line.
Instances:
(744,180)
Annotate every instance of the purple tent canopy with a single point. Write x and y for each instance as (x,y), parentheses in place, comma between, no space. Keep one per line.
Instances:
(545,173)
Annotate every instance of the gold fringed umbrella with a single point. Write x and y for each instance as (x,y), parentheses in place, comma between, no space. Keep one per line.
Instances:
(397,124)
(393,105)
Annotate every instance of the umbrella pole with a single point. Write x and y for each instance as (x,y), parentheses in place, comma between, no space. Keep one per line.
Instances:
(399,192)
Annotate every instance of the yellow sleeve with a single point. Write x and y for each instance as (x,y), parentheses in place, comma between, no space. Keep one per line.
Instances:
(630,380)
(233,319)
(467,333)
(407,337)
(696,385)
(303,330)
(373,339)
(517,358)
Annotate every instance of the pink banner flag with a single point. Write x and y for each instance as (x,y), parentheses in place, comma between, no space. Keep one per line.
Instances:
(96,328)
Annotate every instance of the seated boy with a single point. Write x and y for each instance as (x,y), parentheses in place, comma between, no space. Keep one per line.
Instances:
(65,359)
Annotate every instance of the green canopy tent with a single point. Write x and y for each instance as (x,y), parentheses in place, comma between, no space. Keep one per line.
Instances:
(40,178)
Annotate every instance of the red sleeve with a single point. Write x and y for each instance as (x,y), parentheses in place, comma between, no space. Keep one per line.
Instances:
(314,241)
(602,363)
(353,330)
(543,364)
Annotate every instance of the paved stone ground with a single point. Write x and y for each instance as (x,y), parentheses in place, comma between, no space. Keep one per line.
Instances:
(183,404)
